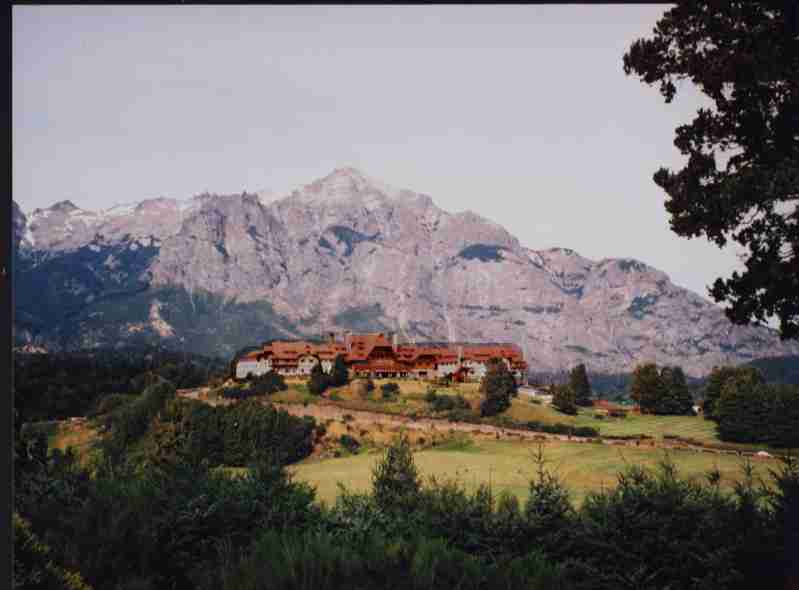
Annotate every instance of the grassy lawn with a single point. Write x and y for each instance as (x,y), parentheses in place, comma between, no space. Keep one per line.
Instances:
(509,466)
(694,427)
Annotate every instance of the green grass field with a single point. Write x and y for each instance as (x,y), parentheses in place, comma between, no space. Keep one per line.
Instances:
(694,427)
(509,466)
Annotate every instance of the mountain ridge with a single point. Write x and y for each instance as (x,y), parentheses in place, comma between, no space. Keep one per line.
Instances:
(347,251)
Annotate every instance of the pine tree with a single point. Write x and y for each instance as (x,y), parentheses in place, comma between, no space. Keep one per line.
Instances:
(578,381)
(742,410)
(647,387)
(395,479)
(339,375)
(318,381)
(497,387)
(676,398)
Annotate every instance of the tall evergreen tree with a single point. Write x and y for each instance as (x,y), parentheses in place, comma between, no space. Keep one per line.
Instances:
(318,381)
(578,381)
(676,398)
(497,387)
(395,479)
(647,387)
(339,375)
(742,410)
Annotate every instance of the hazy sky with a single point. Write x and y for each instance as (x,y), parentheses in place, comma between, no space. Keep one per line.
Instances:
(520,113)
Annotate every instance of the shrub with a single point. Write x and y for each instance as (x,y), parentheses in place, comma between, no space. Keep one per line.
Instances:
(349,443)
(268,383)
(234,435)
(444,403)
(390,391)
(563,399)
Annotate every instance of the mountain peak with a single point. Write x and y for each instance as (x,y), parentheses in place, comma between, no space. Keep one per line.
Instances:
(347,182)
(65,206)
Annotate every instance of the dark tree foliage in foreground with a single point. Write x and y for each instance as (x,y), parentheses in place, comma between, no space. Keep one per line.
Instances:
(578,381)
(741,179)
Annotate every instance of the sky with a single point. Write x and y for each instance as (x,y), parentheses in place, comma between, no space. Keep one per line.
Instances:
(522,114)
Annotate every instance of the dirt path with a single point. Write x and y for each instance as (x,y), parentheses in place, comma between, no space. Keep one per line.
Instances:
(325,410)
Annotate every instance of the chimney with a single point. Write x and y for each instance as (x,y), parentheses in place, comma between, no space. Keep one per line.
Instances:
(332,336)
(348,340)
(460,354)
(394,342)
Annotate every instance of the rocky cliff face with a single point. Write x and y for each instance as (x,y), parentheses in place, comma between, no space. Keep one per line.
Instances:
(219,272)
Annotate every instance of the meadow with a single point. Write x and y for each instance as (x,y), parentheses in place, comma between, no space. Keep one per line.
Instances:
(509,466)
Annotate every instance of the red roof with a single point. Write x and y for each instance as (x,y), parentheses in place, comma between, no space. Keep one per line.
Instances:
(405,357)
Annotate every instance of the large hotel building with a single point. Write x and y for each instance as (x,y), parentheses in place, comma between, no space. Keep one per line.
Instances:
(379,355)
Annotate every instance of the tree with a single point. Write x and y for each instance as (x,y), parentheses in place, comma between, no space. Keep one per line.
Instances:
(578,381)
(497,387)
(742,411)
(318,381)
(783,426)
(563,399)
(677,399)
(339,375)
(395,479)
(647,387)
(716,380)
(744,56)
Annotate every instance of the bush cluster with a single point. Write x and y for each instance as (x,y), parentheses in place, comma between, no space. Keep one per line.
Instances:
(234,435)
(560,428)
(389,391)
(444,403)
(257,386)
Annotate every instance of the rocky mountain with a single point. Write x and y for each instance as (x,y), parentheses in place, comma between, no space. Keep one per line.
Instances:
(216,273)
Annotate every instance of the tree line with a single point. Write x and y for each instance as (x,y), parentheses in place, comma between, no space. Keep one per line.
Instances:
(59,386)
(179,523)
